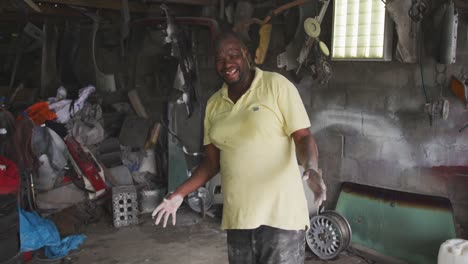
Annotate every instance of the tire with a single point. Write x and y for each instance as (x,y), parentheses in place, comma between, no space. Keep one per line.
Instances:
(9,245)
(9,222)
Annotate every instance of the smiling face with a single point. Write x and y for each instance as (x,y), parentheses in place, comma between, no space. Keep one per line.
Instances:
(231,61)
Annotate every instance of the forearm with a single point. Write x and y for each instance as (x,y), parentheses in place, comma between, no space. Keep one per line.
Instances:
(202,174)
(307,152)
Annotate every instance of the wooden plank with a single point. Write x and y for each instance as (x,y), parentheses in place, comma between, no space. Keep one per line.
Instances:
(116,5)
(184,2)
(48,10)
(45,12)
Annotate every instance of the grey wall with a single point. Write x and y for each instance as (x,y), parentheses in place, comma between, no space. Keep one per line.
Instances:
(371,128)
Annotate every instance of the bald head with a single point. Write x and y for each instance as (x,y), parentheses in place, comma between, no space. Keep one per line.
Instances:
(228,36)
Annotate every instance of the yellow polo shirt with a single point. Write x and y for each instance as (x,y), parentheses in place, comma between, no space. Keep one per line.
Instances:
(260,179)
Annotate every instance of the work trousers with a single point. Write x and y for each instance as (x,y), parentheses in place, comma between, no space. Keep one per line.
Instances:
(265,245)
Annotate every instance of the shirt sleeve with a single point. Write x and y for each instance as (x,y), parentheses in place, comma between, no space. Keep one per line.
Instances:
(291,107)
(206,127)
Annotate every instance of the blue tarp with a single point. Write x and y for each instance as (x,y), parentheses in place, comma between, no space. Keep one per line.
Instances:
(37,232)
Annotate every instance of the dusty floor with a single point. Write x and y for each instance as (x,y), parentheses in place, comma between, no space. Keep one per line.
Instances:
(192,241)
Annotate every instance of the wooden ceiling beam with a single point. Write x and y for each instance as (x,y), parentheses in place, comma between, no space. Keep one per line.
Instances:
(109,8)
(134,7)
(184,2)
(47,10)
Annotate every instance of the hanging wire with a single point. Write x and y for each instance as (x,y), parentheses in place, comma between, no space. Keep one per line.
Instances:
(421,64)
(184,149)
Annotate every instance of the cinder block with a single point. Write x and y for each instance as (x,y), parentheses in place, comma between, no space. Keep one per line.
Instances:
(350,169)
(457,157)
(410,99)
(333,191)
(345,73)
(331,166)
(378,173)
(435,154)
(405,174)
(366,100)
(328,99)
(387,174)
(403,153)
(125,206)
(305,92)
(428,72)
(414,124)
(424,183)
(339,121)
(389,76)
(363,148)
(329,143)
(380,125)
(457,119)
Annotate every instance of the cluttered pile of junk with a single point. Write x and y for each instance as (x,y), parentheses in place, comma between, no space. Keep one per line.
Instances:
(57,160)
(66,161)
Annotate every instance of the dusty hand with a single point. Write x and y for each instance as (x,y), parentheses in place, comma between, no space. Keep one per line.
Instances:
(316,184)
(167,208)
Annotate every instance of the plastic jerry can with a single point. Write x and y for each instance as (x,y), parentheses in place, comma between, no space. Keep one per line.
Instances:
(453,251)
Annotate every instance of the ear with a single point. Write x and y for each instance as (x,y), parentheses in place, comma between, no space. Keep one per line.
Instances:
(247,56)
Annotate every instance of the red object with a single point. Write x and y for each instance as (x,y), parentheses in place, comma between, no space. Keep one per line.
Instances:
(86,162)
(9,177)
(27,256)
(67,179)
(40,112)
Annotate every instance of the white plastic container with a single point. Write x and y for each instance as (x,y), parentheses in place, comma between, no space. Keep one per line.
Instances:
(453,251)
(148,164)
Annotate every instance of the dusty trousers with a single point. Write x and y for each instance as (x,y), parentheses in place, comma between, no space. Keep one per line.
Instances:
(265,245)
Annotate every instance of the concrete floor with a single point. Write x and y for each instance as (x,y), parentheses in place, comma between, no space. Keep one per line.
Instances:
(192,241)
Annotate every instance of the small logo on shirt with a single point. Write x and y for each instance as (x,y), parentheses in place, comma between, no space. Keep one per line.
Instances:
(255,108)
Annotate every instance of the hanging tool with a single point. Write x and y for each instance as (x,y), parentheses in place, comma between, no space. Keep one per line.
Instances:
(181,49)
(125,28)
(440,107)
(288,58)
(312,29)
(104,82)
(243,26)
(184,149)
(448,41)
(419,9)
(321,68)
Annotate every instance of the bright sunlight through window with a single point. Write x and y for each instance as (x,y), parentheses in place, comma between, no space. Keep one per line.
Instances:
(359,30)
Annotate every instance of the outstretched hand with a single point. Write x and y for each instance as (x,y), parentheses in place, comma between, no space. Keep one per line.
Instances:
(316,184)
(167,208)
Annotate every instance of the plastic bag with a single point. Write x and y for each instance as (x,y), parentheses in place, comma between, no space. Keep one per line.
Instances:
(37,232)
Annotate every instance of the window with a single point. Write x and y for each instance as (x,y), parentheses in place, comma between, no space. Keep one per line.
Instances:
(361,30)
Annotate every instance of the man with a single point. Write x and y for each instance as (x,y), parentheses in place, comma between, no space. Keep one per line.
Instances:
(255,128)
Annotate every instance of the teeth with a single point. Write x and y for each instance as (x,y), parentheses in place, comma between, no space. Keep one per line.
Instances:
(231,71)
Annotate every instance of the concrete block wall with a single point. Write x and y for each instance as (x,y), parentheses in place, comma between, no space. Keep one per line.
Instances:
(371,128)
